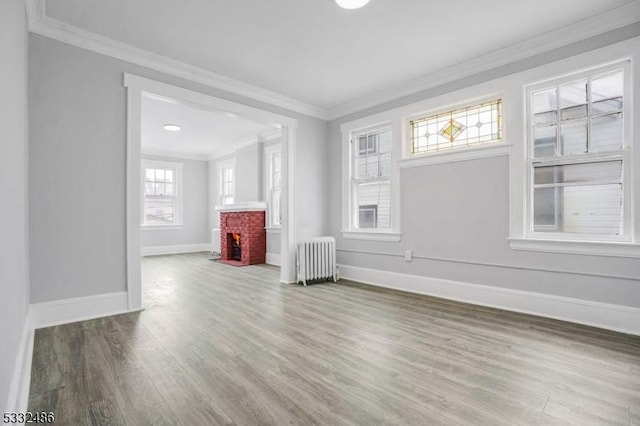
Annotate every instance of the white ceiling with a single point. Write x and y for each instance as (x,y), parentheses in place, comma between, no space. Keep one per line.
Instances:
(315,52)
(203,133)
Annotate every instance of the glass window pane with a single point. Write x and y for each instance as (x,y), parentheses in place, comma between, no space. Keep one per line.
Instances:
(159,175)
(149,174)
(376,195)
(372,143)
(160,212)
(606,133)
(384,141)
(169,187)
(168,175)
(589,172)
(367,216)
(573,137)
(460,128)
(160,190)
(148,188)
(362,145)
(544,213)
(584,209)
(545,101)
(607,92)
(573,100)
(544,141)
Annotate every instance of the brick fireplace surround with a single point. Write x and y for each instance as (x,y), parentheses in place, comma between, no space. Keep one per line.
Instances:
(253,237)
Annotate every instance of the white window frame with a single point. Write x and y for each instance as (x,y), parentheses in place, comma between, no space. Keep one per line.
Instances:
(222,196)
(519,237)
(268,179)
(178,169)
(349,230)
(625,156)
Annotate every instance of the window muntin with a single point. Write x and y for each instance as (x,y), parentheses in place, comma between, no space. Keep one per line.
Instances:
(576,165)
(160,203)
(371,179)
(227,184)
(461,128)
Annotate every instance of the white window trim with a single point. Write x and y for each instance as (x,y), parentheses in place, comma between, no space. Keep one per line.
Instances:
(519,238)
(495,149)
(221,165)
(266,167)
(159,164)
(348,230)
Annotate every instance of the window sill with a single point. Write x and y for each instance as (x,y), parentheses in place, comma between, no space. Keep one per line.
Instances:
(372,236)
(591,248)
(160,227)
(493,150)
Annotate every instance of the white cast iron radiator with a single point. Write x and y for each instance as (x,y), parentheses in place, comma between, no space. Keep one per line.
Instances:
(316,259)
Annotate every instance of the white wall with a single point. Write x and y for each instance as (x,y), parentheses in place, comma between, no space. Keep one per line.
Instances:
(455,216)
(78,111)
(14,279)
(195,221)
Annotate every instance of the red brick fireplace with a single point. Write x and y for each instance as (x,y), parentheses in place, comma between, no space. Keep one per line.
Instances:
(243,239)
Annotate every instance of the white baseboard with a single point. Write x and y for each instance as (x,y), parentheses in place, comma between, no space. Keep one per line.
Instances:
(175,249)
(273,259)
(21,380)
(78,309)
(612,317)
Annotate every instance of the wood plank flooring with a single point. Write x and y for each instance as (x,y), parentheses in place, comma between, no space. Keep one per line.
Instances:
(219,344)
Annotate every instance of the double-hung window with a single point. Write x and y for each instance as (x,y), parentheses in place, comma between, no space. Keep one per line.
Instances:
(370,183)
(162,202)
(227,182)
(274,158)
(578,168)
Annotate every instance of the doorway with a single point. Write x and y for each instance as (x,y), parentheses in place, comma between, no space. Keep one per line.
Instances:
(139,88)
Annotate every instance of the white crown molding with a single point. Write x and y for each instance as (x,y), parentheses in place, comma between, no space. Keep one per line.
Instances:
(619,17)
(590,27)
(40,24)
(619,318)
(146,150)
(243,143)
(270,135)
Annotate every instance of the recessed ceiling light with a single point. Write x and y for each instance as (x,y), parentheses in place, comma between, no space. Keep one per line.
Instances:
(351,4)
(171,127)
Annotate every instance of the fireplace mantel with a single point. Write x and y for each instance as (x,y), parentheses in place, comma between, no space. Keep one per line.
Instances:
(249,206)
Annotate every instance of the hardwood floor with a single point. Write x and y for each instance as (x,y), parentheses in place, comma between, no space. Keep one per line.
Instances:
(224,345)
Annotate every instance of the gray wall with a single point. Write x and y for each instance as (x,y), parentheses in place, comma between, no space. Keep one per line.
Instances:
(14,279)
(461,228)
(77,187)
(195,226)
(249,173)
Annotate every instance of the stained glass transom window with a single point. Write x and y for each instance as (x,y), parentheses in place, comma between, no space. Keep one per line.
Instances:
(461,128)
